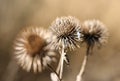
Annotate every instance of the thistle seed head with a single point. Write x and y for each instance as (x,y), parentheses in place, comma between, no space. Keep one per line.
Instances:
(32,49)
(94,32)
(67,32)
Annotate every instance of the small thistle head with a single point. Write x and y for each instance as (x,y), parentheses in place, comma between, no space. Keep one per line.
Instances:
(94,32)
(33,50)
(67,32)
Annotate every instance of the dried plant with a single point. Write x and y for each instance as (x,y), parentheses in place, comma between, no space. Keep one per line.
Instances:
(67,32)
(34,47)
(67,36)
(94,33)
(33,50)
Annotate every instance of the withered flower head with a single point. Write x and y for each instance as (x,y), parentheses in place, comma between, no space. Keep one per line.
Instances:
(94,32)
(67,32)
(32,49)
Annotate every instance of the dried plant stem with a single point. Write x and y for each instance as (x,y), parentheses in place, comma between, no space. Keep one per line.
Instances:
(57,72)
(59,69)
(79,76)
(62,62)
(51,68)
(59,65)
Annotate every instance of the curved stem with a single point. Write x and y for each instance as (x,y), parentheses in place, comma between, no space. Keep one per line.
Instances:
(79,76)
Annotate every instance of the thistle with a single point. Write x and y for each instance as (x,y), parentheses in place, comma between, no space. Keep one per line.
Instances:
(32,49)
(35,48)
(67,32)
(94,33)
(67,36)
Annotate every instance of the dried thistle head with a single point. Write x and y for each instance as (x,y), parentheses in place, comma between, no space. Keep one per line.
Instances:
(67,32)
(94,32)
(32,49)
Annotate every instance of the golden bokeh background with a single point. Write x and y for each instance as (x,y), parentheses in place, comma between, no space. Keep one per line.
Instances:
(102,65)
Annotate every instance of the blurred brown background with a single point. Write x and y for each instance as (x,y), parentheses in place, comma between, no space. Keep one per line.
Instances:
(103,65)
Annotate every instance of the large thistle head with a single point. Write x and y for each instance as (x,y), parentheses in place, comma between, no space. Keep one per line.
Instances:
(67,32)
(94,32)
(32,49)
